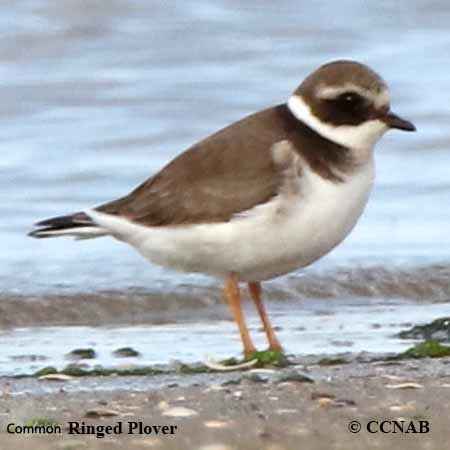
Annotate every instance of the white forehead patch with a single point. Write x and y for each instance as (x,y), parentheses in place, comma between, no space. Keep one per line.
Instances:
(362,137)
(379,99)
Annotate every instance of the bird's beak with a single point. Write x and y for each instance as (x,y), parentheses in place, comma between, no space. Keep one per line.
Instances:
(394,121)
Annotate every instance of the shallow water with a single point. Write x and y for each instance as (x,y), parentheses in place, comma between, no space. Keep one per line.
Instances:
(95,98)
(320,327)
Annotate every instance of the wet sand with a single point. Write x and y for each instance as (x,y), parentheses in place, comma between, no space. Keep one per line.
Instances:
(257,409)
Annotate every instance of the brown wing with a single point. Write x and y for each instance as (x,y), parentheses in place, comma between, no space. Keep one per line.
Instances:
(227,173)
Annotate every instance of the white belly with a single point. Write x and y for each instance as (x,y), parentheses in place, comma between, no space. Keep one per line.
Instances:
(290,232)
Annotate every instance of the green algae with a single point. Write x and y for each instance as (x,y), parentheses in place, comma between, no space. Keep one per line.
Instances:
(327,361)
(268,358)
(76,371)
(427,349)
(186,369)
(41,421)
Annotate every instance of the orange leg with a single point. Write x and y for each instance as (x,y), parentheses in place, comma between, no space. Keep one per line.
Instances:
(255,292)
(234,300)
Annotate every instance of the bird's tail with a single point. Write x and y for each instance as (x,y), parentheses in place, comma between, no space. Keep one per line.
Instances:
(78,225)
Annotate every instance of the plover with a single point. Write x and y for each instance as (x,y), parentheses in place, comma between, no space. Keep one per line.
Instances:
(265,196)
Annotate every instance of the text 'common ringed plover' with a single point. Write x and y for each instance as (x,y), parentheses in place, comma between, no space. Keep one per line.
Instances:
(265,196)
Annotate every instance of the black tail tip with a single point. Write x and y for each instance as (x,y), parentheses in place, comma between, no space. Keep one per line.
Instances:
(44,228)
(33,233)
(38,233)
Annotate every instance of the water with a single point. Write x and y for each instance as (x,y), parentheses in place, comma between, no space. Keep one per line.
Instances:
(319,328)
(97,96)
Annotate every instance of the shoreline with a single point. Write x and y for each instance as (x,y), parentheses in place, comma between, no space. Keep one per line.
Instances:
(273,409)
(81,305)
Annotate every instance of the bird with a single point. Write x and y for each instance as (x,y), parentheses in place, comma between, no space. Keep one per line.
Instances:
(265,196)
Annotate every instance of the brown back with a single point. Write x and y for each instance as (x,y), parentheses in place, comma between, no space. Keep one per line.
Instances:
(228,172)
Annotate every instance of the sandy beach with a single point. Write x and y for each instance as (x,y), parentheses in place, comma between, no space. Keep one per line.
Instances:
(303,406)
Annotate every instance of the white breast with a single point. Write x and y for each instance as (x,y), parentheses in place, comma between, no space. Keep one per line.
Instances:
(294,229)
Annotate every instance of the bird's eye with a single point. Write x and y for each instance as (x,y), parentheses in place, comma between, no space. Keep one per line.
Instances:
(349,98)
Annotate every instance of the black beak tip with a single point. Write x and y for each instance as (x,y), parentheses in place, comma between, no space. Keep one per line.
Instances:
(394,121)
(410,127)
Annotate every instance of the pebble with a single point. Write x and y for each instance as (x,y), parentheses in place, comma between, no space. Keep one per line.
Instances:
(327,402)
(294,377)
(56,377)
(237,395)
(132,408)
(409,407)
(72,444)
(179,411)
(408,385)
(93,413)
(263,371)
(231,382)
(256,378)
(286,411)
(215,447)
(264,434)
(214,365)
(319,395)
(217,424)
(163,405)
(126,352)
(300,430)
(285,384)
(148,443)
(82,353)
(392,377)
(216,388)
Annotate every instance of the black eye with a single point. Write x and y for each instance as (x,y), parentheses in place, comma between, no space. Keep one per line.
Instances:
(349,98)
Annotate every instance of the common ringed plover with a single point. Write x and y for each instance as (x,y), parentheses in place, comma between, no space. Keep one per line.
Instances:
(265,196)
